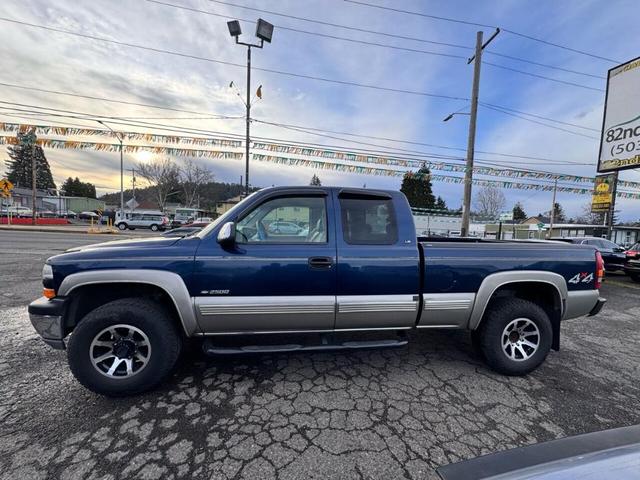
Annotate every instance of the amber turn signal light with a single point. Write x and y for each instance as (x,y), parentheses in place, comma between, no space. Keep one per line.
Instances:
(49,292)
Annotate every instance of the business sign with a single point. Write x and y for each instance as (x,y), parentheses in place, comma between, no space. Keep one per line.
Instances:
(506,216)
(603,191)
(620,140)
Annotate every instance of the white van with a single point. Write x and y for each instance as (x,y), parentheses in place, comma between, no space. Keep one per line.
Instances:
(154,220)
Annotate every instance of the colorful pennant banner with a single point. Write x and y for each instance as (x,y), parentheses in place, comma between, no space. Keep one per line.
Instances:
(115,147)
(342,167)
(440,166)
(148,137)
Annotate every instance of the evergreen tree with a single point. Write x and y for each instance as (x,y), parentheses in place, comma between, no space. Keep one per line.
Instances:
(417,188)
(440,203)
(75,188)
(315,180)
(19,168)
(518,213)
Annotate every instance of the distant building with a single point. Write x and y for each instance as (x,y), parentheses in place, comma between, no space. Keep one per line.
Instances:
(46,201)
(226,205)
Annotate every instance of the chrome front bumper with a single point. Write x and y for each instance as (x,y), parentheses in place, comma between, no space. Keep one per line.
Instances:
(47,318)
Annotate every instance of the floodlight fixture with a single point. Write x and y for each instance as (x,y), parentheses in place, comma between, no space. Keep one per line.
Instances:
(234,28)
(264,30)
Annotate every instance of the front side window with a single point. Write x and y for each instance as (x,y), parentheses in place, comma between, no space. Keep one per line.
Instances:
(368,220)
(285,220)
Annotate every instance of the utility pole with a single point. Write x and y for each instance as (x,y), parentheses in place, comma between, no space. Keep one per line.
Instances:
(33,183)
(246,147)
(553,208)
(120,138)
(133,182)
(475,89)
(29,140)
(612,207)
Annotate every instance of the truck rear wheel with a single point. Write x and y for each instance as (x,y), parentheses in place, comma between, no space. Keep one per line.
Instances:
(515,336)
(124,347)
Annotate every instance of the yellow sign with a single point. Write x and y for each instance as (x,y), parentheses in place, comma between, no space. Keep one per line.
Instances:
(5,187)
(602,193)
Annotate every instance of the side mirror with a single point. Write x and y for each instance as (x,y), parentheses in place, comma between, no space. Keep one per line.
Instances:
(227,234)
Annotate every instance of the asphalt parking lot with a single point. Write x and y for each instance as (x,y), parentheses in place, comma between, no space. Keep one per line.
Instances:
(369,414)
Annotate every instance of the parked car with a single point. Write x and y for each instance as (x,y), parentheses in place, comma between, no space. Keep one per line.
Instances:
(144,219)
(181,231)
(89,216)
(607,455)
(17,211)
(284,228)
(612,254)
(68,214)
(46,214)
(632,262)
(130,304)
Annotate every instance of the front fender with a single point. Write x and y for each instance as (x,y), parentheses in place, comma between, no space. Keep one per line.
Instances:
(170,282)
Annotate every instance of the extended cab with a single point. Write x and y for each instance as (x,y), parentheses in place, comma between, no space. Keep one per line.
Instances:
(124,309)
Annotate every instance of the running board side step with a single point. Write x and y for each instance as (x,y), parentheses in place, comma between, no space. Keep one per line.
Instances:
(211,349)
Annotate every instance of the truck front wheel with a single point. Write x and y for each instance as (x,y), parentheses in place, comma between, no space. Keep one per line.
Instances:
(124,347)
(515,336)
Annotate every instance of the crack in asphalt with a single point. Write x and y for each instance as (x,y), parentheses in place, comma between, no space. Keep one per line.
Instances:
(366,414)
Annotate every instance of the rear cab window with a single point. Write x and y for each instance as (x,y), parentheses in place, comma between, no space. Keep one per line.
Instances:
(368,219)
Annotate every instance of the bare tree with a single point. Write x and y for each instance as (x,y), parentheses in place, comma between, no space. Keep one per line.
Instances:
(192,177)
(588,217)
(489,201)
(164,175)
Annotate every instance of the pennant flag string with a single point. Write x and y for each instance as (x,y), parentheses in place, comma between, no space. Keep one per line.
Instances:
(115,147)
(149,137)
(282,148)
(342,167)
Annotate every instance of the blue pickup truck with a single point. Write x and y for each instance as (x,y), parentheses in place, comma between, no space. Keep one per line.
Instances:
(125,309)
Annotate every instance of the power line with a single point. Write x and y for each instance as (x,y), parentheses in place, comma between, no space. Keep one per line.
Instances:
(117,120)
(540,117)
(311,130)
(231,64)
(102,99)
(557,80)
(318,34)
(363,30)
(545,65)
(505,112)
(337,25)
(464,22)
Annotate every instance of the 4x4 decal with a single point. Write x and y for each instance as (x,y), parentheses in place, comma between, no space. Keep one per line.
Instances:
(584,277)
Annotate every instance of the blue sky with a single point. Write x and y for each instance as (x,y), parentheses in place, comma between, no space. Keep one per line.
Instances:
(44,59)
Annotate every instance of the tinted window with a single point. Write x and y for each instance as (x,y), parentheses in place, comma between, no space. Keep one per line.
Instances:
(285,220)
(608,245)
(368,221)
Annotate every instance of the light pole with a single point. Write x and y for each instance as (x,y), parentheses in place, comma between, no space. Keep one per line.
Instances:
(119,137)
(264,31)
(468,174)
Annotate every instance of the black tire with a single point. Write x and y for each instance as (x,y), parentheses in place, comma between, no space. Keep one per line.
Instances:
(154,228)
(147,316)
(495,321)
(122,226)
(635,277)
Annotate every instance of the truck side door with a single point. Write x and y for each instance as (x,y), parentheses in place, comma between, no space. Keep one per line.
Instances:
(272,279)
(378,261)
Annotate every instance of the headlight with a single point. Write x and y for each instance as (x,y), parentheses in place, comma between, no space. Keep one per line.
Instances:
(47,272)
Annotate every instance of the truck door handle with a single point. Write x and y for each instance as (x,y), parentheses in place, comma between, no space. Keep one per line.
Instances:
(320,262)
